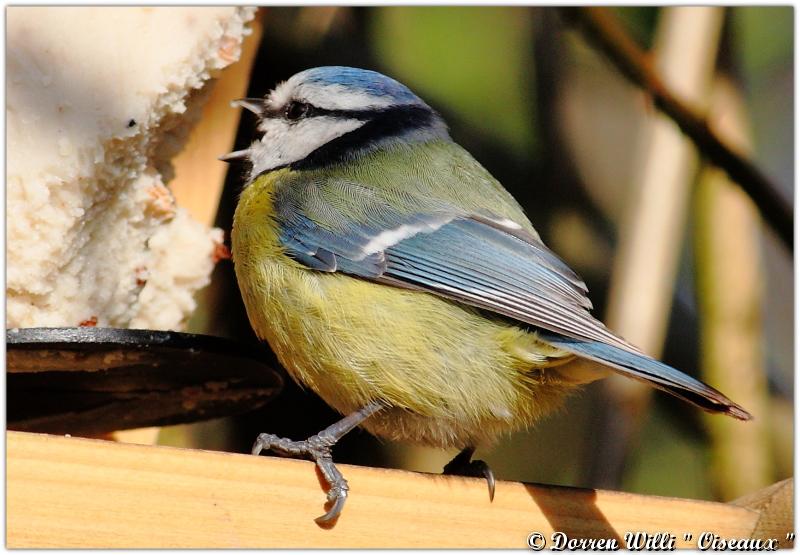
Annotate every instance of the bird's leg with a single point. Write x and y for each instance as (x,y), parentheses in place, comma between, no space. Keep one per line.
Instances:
(318,448)
(461,465)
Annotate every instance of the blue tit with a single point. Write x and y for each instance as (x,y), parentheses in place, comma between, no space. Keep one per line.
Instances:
(396,278)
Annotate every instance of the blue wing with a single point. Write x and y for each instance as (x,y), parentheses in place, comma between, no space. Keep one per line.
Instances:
(474,259)
(488,263)
(653,372)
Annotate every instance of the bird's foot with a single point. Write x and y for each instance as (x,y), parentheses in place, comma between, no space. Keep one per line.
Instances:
(461,465)
(318,449)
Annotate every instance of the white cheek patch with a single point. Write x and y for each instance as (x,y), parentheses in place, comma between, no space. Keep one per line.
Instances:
(284,143)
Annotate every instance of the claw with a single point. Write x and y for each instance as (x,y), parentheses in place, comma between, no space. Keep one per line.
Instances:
(258,446)
(489,475)
(318,449)
(461,465)
(339,497)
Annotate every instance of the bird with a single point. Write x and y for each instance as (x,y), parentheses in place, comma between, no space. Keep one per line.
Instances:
(393,276)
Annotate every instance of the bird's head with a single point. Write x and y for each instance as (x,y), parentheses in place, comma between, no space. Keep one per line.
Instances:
(329,115)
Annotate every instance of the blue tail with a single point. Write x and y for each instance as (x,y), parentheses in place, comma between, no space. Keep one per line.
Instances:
(655,373)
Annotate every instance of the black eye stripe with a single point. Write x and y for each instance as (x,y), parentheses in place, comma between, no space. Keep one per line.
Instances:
(379,124)
(296,110)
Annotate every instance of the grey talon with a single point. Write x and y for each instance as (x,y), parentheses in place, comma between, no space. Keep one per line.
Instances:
(490,481)
(318,448)
(461,465)
(335,510)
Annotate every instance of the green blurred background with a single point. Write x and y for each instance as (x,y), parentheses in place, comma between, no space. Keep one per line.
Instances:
(558,126)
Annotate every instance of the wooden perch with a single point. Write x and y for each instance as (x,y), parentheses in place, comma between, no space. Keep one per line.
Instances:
(69,492)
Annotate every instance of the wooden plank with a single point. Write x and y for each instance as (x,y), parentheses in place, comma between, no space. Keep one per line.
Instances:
(70,492)
(775,505)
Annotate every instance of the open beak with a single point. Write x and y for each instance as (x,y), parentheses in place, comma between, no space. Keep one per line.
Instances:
(235,155)
(255,105)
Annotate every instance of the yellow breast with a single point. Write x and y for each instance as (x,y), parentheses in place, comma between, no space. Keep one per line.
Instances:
(453,375)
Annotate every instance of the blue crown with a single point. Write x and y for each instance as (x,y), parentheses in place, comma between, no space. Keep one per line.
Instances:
(370,82)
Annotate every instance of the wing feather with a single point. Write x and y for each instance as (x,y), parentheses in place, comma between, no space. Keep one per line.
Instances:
(473,259)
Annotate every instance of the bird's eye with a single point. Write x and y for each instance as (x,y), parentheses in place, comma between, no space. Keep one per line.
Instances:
(296,110)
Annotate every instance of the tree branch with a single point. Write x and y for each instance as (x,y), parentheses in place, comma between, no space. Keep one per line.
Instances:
(600,27)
